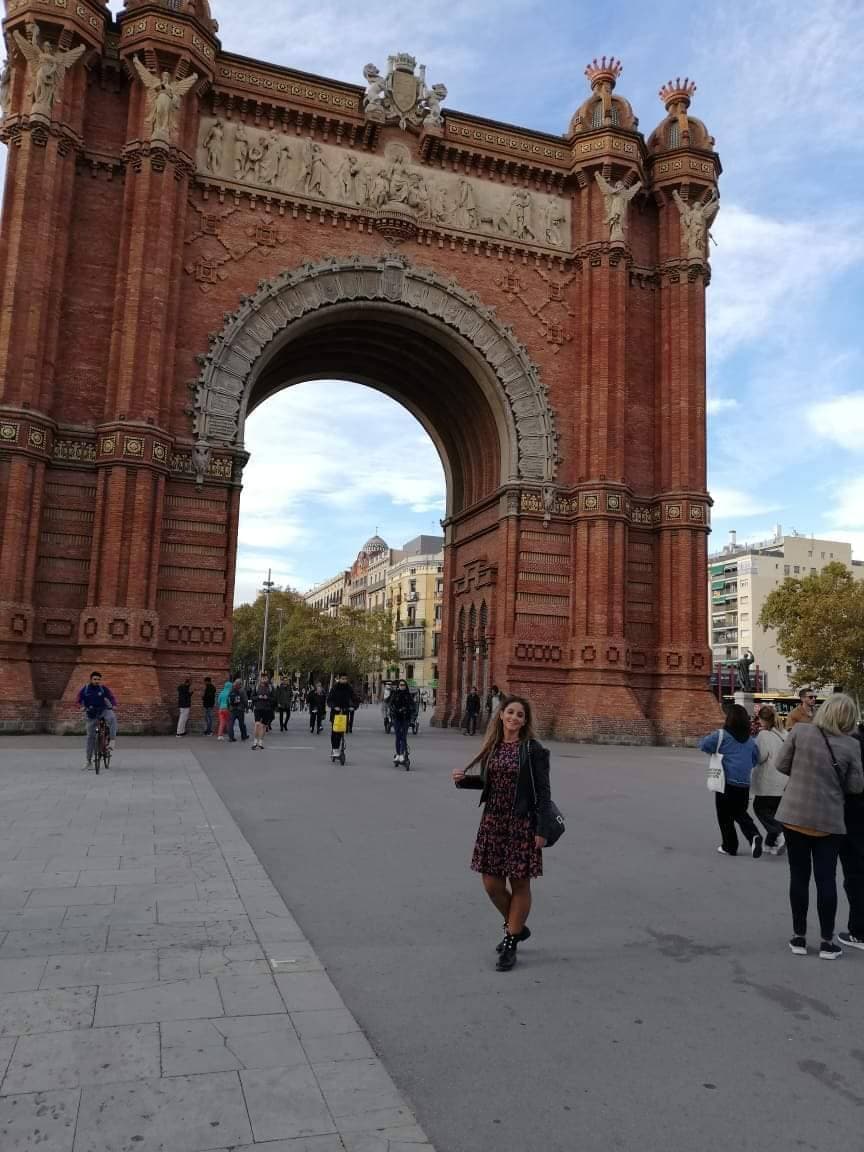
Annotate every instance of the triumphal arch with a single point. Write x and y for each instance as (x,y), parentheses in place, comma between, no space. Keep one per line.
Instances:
(186,231)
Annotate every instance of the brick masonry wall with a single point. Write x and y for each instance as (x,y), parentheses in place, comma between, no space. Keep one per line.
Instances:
(128,565)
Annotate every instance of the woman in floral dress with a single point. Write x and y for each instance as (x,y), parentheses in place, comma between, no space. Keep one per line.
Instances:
(514,780)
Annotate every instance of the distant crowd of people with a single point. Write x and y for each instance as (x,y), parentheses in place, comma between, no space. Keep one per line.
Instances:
(806,779)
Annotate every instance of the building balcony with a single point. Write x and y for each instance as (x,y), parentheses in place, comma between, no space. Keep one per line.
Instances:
(411,643)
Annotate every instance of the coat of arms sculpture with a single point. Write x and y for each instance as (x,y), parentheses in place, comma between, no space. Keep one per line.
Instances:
(402,96)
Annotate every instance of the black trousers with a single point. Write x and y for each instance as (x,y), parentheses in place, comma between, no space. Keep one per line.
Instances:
(731,810)
(819,854)
(284,714)
(238,717)
(315,719)
(852,859)
(765,810)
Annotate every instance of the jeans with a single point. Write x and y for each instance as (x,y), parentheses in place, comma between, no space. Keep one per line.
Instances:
(111,720)
(731,810)
(208,721)
(182,721)
(471,723)
(284,714)
(821,853)
(238,717)
(852,859)
(400,727)
(765,809)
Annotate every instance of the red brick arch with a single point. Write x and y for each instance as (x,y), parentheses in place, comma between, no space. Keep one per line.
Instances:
(157,282)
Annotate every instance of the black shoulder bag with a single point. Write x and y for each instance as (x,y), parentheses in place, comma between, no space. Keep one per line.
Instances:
(841,775)
(550,822)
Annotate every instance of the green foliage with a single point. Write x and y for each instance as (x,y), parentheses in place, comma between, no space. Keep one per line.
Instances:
(819,622)
(355,642)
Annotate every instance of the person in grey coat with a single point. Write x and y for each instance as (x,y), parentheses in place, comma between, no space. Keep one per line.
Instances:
(823,763)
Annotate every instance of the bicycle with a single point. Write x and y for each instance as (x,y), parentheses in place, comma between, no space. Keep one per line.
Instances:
(102,745)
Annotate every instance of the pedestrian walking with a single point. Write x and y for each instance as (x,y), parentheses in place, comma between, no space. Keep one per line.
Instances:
(401,707)
(493,701)
(740,756)
(804,712)
(208,703)
(224,709)
(767,785)
(852,860)
(473,705)
(823,763)
(263,709)
(316,701)
(283,703)
(514,786)
(238,702)
(184,704)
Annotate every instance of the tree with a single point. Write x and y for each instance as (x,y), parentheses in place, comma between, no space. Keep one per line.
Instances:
(355,642)
(819,622)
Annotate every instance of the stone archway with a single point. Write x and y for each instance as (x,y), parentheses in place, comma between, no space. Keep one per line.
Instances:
(238,352)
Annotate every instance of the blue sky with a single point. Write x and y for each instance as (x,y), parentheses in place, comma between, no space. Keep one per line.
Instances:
(780,89)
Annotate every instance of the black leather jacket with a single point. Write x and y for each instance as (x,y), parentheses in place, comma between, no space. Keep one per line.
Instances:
(532,789)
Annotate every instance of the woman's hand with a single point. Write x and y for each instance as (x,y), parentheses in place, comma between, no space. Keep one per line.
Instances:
(539,841)
(458,775)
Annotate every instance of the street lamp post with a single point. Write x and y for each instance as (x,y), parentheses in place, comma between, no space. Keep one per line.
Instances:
(268,588)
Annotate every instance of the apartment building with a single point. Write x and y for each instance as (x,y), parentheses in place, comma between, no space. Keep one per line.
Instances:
(741,576)
(408,583)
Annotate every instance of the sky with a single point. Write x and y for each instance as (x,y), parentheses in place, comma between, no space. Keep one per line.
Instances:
(779,87)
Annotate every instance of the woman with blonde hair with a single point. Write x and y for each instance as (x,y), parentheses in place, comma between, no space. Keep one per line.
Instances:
(823,763)
(514,785)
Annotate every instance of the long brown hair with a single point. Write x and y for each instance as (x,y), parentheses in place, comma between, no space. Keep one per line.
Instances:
(495,730)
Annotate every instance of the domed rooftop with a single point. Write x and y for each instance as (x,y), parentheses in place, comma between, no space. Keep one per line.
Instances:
(603,109)
(679,129)
(374,546)
(198,8)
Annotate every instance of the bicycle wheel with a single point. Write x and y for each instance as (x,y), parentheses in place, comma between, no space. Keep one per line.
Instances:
(342,752)
(97,756)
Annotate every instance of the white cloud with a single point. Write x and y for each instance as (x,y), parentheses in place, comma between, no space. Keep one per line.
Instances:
(841,420)
(769,273)
(731,502)
(717,404)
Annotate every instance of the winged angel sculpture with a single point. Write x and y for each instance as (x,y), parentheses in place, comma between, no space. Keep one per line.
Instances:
(166,96)
(47,68)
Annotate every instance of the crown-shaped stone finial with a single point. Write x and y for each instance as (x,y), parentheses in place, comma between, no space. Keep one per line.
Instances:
(604,71)
(677,91)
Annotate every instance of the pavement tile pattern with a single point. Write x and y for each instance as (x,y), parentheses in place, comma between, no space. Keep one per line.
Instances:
(155,991)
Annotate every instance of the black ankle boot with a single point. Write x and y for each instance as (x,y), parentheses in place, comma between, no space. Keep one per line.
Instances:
(521,937)
(507,959)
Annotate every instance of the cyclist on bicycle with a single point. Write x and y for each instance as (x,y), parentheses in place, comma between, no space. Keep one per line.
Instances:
(340,699)
(98,702)
(401,711)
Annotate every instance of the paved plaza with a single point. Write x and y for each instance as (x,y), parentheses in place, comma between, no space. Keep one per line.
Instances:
(157,994)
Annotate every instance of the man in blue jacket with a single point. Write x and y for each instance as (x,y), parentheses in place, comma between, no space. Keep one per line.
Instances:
(98,701)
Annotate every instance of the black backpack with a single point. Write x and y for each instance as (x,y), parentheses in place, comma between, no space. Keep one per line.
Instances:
(235,700)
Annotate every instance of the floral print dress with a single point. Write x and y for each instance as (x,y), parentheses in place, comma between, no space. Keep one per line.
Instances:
(505,842)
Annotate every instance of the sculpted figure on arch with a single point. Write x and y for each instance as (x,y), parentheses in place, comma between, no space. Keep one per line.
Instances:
(696,219)
(616,201)
(47,68)
(166,97)
(214,146)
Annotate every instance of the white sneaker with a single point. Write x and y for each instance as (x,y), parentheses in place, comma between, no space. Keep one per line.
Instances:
(111,745)
(850,941)
(220,737)
(780,845)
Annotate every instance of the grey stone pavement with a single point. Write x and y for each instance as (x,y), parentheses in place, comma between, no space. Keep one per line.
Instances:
(655,1009)
(156,994)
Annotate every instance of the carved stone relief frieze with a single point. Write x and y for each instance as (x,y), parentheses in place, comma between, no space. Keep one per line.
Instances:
(274,162)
